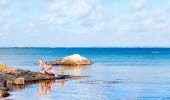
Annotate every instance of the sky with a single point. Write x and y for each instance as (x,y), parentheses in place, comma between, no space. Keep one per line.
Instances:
(85,23)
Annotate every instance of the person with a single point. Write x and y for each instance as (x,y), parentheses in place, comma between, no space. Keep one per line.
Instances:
(44,67)
(40,64)
(49,70)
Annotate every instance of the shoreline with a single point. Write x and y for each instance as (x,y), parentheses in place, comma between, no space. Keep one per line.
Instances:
(14,76)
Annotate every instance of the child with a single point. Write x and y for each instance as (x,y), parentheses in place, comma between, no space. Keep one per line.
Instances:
(40,64)
(43,68)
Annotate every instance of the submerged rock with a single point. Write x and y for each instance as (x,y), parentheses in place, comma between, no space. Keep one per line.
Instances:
(155,52)
(100,82)
(75,59)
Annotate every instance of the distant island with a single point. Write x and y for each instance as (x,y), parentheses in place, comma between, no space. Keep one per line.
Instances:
(22,47)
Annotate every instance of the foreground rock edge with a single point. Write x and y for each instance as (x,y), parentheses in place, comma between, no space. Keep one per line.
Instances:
(14,76)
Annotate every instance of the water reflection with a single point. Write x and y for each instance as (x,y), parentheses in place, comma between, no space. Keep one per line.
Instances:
(4,92)
(46,87)
(74,69)
(19,87)
(62,84)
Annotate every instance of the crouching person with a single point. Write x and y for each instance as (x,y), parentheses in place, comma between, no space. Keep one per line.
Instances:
(49,70)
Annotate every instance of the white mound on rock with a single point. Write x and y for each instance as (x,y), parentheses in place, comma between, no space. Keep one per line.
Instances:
(75,59)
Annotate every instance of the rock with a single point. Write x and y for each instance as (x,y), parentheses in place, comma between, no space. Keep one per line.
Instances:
(75,59)
(2,82)
(4,93)
(10,77)
(3,88)
(2,66)
(19,81)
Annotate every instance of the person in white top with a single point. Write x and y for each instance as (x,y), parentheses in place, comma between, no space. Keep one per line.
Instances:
(40,64)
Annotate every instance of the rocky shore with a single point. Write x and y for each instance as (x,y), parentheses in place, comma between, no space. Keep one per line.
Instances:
(14,76)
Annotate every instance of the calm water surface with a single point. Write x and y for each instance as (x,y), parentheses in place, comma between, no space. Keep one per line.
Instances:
(143,75)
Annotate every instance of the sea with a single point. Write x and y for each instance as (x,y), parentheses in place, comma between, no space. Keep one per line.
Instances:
(117,74)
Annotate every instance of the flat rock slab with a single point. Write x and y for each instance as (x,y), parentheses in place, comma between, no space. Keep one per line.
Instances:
(9,79)
(11,76)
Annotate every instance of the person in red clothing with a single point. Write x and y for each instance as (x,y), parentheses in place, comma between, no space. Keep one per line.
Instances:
(49,70)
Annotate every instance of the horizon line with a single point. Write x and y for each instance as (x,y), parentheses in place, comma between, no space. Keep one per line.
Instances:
(92,47)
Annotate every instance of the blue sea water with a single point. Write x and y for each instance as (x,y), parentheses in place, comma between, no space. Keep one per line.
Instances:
(142,75)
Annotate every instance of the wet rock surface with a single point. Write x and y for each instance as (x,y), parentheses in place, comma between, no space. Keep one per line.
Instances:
(75,59)
(4,94)
(20,76)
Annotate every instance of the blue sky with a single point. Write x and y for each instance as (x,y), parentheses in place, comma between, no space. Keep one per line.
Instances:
(85,23)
